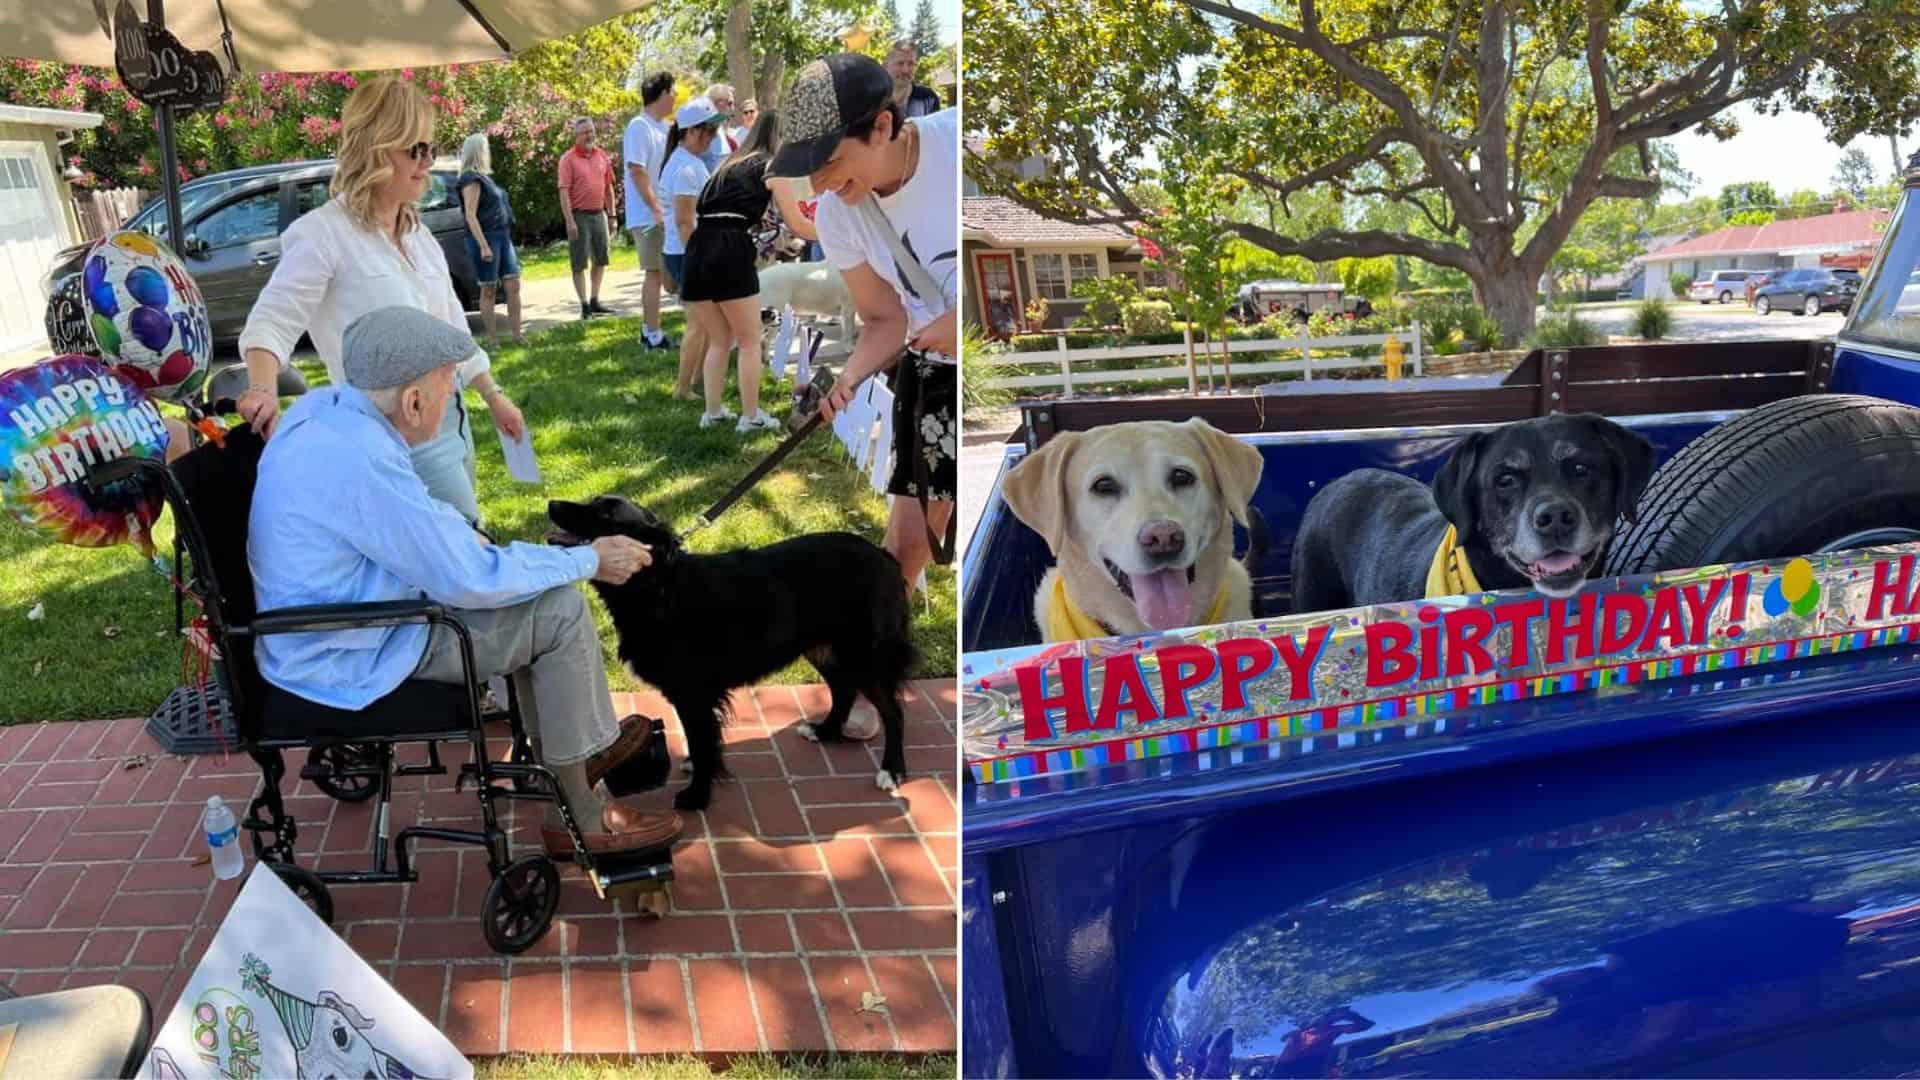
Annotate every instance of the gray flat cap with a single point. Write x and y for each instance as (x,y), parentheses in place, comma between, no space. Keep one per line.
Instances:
(392,346)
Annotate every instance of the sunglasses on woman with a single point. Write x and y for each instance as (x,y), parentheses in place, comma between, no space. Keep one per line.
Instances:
(420,151)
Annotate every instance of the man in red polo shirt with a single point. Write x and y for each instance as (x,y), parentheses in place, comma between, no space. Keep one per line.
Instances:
(586,195)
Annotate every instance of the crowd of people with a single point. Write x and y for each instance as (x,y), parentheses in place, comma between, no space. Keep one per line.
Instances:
(367,488)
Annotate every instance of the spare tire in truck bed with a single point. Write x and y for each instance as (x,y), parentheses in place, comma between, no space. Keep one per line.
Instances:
(1793,477)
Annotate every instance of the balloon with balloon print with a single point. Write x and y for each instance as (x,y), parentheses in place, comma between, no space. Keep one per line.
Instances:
(58,419)
(146,314)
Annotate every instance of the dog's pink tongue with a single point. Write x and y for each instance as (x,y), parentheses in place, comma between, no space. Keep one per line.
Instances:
(1164,599)
(1558,563)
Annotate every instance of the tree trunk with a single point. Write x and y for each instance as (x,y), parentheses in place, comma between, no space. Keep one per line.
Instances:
(740,48)
(773,71)
(1509,299)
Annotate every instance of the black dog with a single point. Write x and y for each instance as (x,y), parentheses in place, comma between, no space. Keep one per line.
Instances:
(700,626)
(1533,504)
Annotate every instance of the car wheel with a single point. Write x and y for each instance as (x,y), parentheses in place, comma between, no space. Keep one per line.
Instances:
(1819,472)
(1811,307)
(1762,305)
(1726,297)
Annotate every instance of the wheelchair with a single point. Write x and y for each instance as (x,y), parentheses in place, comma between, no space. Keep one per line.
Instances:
(351,754)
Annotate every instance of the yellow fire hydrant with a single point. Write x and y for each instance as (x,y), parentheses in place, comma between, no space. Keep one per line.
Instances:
(1393,358)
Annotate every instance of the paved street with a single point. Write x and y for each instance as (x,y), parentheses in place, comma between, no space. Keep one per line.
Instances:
(1735,322)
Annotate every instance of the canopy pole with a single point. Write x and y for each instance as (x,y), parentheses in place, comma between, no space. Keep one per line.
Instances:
(169,155)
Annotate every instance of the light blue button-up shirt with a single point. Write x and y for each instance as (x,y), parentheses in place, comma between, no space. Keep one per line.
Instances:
(339,516)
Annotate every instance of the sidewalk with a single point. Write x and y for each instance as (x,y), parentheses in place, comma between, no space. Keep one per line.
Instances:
(800,889)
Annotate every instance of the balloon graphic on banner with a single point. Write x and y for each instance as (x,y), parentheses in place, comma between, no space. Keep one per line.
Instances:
(1793,591)
(59,418)
(67,319)
(146,314)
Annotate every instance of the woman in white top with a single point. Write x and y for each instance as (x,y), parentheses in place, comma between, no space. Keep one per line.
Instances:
(682,176)
(367,248)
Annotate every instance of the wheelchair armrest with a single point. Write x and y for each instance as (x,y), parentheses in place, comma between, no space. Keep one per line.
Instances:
(315,617)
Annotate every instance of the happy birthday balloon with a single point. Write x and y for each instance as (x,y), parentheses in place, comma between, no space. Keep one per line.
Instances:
(67,319)
(146,315)
(58,419)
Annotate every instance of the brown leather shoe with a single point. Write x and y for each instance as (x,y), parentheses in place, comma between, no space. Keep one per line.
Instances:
(635,732)
(628,828)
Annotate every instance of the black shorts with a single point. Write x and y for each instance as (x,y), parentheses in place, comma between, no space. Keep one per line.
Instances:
(929,447)
(719,265)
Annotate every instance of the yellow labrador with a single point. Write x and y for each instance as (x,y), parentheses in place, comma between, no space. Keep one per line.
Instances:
(1139,519)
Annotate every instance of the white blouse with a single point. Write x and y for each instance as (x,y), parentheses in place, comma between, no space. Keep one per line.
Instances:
(332,271)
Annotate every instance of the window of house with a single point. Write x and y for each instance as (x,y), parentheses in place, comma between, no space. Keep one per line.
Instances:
(1153,279)
(1082,268)
(1050,276)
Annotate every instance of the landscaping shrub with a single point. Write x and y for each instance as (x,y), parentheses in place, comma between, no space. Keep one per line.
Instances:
(1679,283)
(1147,317)
(1106,298)
(1652,319)
(983,363)
(1480,332)
(1565,331)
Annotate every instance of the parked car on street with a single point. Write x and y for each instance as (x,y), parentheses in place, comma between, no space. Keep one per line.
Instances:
(232,223)
(1808,292)
(1721,285)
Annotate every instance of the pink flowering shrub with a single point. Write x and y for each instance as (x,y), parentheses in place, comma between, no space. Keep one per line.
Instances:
(286,117)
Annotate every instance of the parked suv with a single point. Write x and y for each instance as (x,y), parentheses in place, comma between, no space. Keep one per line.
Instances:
(233,220)
(1808,292)
(1721,285)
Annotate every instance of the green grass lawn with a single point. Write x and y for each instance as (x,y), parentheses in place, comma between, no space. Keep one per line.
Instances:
(545,262)
(757,1067)
(603,420)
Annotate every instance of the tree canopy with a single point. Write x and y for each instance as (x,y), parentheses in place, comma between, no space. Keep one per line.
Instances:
(1493,126)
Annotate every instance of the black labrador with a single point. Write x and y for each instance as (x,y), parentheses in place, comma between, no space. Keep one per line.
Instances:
(1533,503)
(700,626)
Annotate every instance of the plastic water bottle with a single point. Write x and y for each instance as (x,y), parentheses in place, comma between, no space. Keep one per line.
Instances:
(223,839)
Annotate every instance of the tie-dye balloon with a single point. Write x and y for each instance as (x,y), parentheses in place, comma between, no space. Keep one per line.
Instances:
(146,314)
(60,417)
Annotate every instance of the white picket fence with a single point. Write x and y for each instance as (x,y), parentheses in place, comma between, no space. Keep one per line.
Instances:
(1065,360)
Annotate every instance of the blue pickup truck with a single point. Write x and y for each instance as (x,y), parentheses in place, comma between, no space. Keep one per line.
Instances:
(1688,860)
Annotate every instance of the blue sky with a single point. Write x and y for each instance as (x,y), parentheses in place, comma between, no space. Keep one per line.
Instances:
(1790,151)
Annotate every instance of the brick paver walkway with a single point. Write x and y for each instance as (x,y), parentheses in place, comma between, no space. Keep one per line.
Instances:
(801,888)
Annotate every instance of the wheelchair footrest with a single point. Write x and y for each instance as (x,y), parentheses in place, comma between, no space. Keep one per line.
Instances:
(631,873)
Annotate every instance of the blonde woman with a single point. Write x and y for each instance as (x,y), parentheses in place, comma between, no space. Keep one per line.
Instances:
(489,233)
(367,248)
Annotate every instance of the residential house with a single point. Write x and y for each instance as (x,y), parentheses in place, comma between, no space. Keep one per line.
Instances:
(1847,238)
(36,213)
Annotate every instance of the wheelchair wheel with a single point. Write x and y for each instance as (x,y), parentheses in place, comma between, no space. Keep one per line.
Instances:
(338,757)
(520,903)
(308,887)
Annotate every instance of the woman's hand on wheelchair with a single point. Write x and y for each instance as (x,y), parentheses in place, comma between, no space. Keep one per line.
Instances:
(621,557)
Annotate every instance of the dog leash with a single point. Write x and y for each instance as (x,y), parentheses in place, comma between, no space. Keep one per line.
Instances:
(822,382)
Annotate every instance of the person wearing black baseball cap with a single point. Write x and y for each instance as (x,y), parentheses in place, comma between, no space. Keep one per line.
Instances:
(888,219)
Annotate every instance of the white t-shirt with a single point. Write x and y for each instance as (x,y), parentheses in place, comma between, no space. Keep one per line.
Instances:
(642,145)
(925,212)
(686,174)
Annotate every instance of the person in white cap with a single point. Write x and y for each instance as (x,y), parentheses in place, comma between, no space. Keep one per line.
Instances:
(682,176)
(339,516)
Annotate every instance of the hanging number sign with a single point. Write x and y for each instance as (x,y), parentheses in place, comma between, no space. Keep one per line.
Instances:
(158,70)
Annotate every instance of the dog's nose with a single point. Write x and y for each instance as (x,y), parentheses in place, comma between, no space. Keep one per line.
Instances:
(1555,516)
(1163,539)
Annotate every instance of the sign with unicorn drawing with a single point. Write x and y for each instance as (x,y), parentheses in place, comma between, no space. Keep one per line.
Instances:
(279,994)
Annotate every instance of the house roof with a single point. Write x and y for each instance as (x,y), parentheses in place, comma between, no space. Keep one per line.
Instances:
(1004,223)
(65,119)
(1849,228)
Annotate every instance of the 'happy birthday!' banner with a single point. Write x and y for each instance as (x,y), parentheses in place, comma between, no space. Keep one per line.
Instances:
(1072,706)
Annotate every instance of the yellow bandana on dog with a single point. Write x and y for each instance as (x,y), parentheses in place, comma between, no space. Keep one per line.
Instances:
(1450,574)
(1066,622)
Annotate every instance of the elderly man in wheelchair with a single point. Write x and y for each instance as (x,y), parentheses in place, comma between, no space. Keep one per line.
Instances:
(351,613)
(340,516)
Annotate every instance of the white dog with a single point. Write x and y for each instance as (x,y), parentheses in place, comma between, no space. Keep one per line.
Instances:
(811,288)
